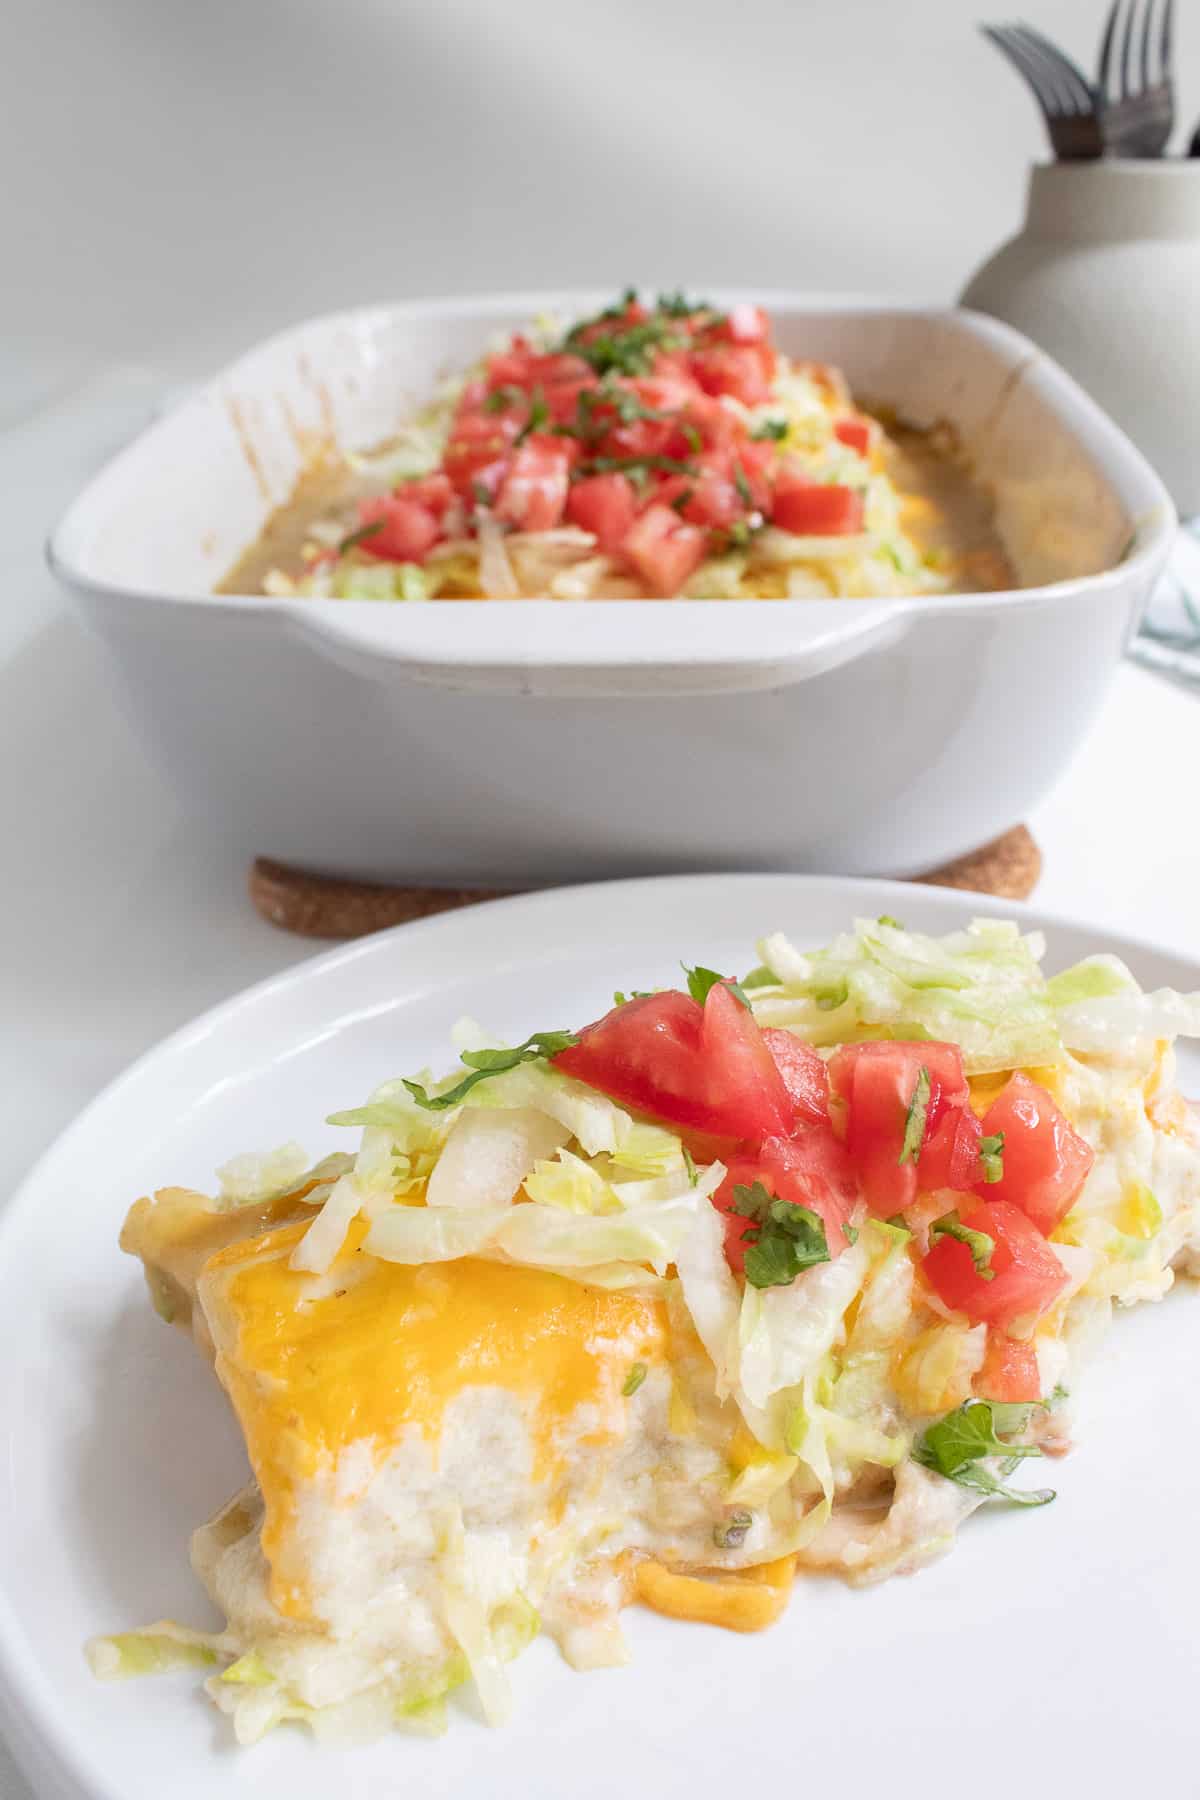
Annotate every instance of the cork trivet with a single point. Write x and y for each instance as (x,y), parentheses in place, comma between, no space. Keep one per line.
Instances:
(322,906)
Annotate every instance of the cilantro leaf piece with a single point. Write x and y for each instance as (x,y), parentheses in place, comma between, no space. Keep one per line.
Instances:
(742,485)
(693,1173)
(360,536)
(678,306)
(785,1240)
(629,465)
(978,1243)
(914,1124)
(701,981)
(539,416)
(482,1063)
(634,1379)
(958,1445)
(732,1534)
(991,1154)
(501,398)
(770,431)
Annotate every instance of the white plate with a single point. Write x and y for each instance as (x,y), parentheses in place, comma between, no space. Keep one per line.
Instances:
(1052,1647)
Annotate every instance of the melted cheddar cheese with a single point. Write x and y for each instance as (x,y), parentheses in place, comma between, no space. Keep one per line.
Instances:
(377,1349)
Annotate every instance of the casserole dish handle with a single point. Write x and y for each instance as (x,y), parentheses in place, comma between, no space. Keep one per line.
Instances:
(619,650)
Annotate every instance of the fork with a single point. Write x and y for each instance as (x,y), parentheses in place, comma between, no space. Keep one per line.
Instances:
(1137,115)
(1062,90)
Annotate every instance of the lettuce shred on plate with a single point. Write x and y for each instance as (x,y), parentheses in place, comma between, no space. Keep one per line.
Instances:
(652,450)
(746,1278)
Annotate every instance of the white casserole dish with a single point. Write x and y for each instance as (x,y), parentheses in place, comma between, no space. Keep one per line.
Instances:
(529,742)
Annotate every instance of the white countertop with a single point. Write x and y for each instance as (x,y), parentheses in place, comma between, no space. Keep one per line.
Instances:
(118,923)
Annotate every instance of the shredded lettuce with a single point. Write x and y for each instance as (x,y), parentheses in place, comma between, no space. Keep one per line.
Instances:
(981,988)
(540,1236)
(260,1175)
(153,1651)
(488,1155)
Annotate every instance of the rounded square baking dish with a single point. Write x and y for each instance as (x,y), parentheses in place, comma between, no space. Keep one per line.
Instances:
(517,743)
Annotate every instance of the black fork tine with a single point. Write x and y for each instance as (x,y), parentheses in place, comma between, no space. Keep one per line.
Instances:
(1104,72)
(1147,22)
(1127,50)
(1025,65)
(1166,46)
(1069,81)
(1047,70)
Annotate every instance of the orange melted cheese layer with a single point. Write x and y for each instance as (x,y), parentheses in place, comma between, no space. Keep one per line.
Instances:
(391,1347)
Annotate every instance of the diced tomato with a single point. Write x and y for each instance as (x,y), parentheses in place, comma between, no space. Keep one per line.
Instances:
(813,508)
(407,529)
(804,1075)
(1027,1276)
(743,370)
(810,1170)
(641,437)
(433,491)
(478,442)
(713,500)
(875,1084)
(1010,1370)
(605,505)
(854,433)
(664,549)
(744,324)
(757,464)
(533,494)
(950,1158)
(705,1068)
(1045,1160)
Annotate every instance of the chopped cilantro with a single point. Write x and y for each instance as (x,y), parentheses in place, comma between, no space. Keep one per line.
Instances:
(770,431)
(958,1444)
(978,1243)
(991,1154)
(501,398)
(482,1063)
(635,465)
(731,1535)
(742,485)
(692,1172)
(914,1124)
(785,1238)
(634,1379)
(539,416)
(360,536)
(701,980)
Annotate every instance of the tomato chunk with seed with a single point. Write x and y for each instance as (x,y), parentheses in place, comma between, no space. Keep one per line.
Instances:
(815,509)
(1010,1370)
(664,549)
(811,1169)
(605,505)
(950,1157)
(854,433)
(1046,1162)
(875,1084)
(744,324)
(1027,1276)
(407,530)
(705,1068)
(804,1075)
(744,371)
(533,493)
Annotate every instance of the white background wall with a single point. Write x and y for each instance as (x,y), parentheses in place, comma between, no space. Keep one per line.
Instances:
(182,175)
